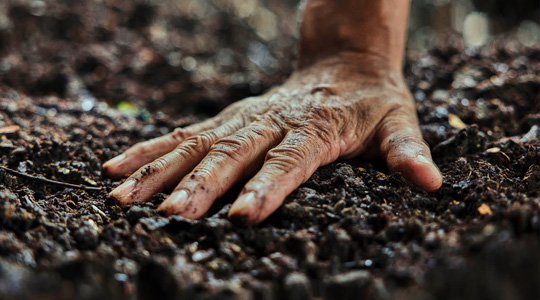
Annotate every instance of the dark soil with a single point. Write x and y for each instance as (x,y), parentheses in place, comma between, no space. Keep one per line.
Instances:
(351,232)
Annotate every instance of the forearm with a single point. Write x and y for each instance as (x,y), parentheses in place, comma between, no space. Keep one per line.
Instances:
(375,29)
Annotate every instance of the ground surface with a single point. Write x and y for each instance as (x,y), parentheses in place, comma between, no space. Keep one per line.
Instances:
(351,231)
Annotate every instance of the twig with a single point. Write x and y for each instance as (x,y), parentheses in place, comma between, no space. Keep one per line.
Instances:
(51,181)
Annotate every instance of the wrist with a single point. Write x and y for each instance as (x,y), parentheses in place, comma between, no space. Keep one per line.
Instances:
(374,29)
(358,70)
(357,62)
(351,65)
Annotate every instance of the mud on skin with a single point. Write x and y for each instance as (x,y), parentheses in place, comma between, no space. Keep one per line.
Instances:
(351,228)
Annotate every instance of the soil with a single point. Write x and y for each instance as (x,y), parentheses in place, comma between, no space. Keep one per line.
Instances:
(80,83)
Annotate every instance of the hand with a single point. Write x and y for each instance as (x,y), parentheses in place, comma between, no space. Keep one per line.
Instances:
(332,109)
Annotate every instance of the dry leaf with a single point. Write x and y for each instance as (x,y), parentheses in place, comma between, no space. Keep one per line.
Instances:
(484,209)
(456,122)
(9,129)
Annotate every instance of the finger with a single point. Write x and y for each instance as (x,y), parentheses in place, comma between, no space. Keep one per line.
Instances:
(406,152)
(229,160)
(166,171)
(287,166)
(145,152)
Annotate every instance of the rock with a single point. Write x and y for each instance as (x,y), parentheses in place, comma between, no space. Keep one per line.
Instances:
(297,287)
(152,224)
(283,261)
(156,281)
(221,268)
(136,212)
(423,203)
(17,155)
(12,277)
(467,140)
(394,232)
(6,146)
(203,255)
(12,215)
(87,236)
(532,178)
(262,290)
(90,279)
(348,286)
(432,241)
(9,131)
(459,210)
(294,210)
(414,230)
(379,290)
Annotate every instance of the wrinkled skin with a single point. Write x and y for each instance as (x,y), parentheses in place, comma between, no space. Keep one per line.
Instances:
(346,98)
(330,110)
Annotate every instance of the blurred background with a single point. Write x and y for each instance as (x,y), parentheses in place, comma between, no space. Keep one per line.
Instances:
(197,56)
(476,22)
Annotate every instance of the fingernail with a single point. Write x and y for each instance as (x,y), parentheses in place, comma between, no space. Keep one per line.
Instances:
(243,203)
(177,201)
(116,160)
(124,189)
(425,160)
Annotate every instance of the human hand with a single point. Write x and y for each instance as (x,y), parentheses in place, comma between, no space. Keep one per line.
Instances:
(334,109)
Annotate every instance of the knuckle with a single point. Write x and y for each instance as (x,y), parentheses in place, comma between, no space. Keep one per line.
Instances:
(233,125)
(324,114)
(283,166)
(272,118)
(320,113)
(230,144)
(276,96)
(181,151)
(229,148)
(205,139)
(326,133)
(179,134)
(325,89)
(199,143)
(320,132)
(286,154)
(259,130)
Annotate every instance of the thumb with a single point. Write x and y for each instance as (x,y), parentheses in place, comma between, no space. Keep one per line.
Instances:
(407,152)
